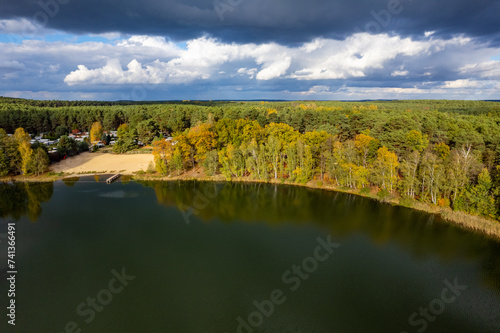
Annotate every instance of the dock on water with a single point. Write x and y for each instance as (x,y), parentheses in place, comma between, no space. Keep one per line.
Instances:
(112,178)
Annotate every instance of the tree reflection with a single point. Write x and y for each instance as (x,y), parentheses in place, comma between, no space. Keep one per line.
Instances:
(70,181)
(341,214)
(19,199)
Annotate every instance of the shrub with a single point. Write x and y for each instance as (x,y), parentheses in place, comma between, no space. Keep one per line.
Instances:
(151,168)
(443,202)
(406,201)
(365,190)
(383,195)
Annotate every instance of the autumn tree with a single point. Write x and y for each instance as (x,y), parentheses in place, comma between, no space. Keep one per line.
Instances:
(432,176)
(185,148)
(24,146)
(364,145)
(237,132)
(225,156)
(283,132)
(442,150)
(252,152)
(304,170)
(273,153)
(409,170)
(211,163)
(416,141)
(96,132)
(162,152)
(385,168)
(232,160)
(333,161)
(292,160)
(202,138)
(326,148)
(177,161)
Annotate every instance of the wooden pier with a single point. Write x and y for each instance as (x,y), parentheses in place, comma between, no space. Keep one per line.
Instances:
(112,178)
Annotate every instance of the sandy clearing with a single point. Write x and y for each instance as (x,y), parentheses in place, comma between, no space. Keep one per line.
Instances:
(100,162)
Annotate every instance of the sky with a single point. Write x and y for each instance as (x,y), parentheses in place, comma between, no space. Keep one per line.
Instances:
(250,49)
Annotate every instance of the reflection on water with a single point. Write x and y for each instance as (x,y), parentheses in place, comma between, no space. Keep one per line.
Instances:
(341,214)
(19,199)
(199,277)
(70,181)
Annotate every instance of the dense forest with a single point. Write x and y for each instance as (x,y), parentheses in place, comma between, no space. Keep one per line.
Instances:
(443,152)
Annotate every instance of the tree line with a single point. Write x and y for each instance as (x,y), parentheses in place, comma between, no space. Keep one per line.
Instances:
(430,172)
(443,152)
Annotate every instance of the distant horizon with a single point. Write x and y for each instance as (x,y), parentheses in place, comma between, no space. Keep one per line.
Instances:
(253,100)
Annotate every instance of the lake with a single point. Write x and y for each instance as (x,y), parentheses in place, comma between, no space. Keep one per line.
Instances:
(238,257)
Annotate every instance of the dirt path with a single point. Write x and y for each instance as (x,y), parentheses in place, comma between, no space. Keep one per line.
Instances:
(99,162)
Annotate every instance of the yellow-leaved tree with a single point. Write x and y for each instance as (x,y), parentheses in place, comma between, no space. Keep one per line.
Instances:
(24,146)
(364,144)
(385,168)
(162,152)
(96,132)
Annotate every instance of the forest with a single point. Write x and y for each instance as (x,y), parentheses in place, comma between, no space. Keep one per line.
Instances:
(446,153)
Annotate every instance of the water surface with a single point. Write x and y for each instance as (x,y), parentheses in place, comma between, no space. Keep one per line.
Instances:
(208,257)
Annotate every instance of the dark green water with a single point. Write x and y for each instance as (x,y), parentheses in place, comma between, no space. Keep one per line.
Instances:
(214,267)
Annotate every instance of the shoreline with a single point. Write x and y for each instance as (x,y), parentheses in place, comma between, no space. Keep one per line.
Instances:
(472,223)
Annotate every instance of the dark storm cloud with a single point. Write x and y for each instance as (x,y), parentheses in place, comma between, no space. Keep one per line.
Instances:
(285,21)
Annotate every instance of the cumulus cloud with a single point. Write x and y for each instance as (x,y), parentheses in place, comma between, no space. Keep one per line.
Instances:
(112,72)
(200,60)
(354,56)
(321,59)
(387,65)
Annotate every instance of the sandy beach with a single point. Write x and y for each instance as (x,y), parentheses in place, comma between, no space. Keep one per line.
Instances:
(101,163)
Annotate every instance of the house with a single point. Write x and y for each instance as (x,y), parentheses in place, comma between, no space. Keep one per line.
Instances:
(171,140)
